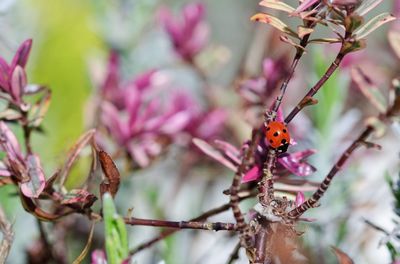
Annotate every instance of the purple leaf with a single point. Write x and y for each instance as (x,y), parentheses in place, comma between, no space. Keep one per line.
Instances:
(4,75)
(229,150)
(299,199)
(37,181)
(9,142)
(176,123)
(213,153)
(22,54)
(18,83)
(295,164)
(4,170)
(211,124)
(144,80)
(252,175)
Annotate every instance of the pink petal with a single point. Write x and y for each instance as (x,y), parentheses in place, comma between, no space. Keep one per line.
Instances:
(252,175)
(176,123)
(35,185)
(145,79)
(212,124)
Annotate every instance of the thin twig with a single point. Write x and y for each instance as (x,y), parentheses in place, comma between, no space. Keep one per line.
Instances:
(332,68)
(217,226)
(312,201)
(376,227)
(8,237)
(201,217)
(235,254)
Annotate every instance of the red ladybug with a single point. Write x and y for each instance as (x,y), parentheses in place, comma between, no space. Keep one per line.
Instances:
(278,136)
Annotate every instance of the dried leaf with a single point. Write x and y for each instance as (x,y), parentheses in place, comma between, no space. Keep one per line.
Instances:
(37,181)
(366,6)
(213,153)
(85,250)
(373,24)
(369,89)
(111,172)
(79,199)
(303,31)
(74,152)
(39,109)
(277,5)
(275,22)
(342,257)
(394,41)
(291,42)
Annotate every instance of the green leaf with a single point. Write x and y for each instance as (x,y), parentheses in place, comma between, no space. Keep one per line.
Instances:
(277,5)
(115,232)
(275,22)
(373,24)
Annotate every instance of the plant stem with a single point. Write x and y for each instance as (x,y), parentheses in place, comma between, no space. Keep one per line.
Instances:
(201,217)
(296,59)
(217,226)
(335,64)
(323,187)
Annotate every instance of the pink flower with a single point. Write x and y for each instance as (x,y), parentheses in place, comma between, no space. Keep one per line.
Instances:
(189,34)
(144,117)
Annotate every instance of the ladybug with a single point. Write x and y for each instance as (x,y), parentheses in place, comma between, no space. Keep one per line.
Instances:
(277,136)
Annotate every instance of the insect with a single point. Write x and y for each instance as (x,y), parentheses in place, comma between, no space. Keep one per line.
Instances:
(278,136)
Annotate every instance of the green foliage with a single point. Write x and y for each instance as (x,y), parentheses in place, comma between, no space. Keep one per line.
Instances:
(115,232)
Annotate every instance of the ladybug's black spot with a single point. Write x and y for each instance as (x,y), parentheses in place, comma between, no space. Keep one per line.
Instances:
(276,134)
(284,130)
(270,141)
(268,128)
(283,141)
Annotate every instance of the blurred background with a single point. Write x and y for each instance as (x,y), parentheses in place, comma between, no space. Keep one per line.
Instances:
(72,41)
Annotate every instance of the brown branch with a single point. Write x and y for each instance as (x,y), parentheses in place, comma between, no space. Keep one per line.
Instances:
(296,59)
(201,217)
(323,187)
(335,64)
(217,226)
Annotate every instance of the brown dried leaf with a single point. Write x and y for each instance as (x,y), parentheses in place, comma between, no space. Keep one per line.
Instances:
(342,257)
(303,31)
(111,172)
(275,22)
(74,152)
(277,5)
(79,199)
